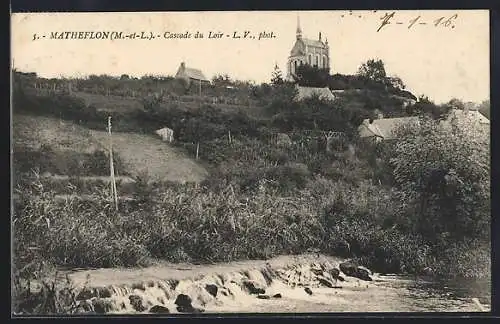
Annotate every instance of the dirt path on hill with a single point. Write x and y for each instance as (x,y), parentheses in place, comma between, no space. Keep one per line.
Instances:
(139,152)
(146,153)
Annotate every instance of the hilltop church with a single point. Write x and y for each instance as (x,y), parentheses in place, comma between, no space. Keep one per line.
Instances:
(308,51)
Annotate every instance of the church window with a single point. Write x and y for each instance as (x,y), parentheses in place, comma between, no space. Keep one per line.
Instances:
(325,61)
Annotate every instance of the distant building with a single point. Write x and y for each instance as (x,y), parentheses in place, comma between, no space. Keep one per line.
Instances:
(191,75)
(405,100)
(307,51)
(466,117)
(307,92)
(384,128)
(166,134)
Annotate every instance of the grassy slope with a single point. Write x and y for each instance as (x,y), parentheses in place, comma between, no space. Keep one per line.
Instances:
(33,132)
(138,152)
(110,103)
(127,104)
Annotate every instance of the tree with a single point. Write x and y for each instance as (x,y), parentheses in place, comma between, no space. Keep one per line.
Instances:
(373,70)
(455,103)
(396,83)
(424,106)
(277,77)
(443,175)
(222,80)
(311,76)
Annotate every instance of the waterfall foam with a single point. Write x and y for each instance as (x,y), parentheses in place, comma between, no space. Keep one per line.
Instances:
(207,292)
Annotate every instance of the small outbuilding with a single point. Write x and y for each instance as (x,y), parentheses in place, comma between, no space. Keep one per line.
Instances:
(166,134)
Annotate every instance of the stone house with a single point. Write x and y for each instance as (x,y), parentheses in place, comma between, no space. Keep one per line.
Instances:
(191,75)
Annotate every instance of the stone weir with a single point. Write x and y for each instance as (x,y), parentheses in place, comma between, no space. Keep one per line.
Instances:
(213,288)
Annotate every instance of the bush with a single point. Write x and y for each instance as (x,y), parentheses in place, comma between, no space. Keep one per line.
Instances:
(444,178)
(205,225)
(469,258)
(46,160)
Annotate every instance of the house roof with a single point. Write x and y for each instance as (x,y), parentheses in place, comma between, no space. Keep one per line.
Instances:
(191,73)
(384,127)
(195,74)
(469,116)
(306,92)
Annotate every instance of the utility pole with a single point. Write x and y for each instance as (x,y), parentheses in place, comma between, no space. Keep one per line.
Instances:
(114,194)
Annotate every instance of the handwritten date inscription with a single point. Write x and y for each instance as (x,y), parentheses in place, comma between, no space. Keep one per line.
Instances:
(389,18)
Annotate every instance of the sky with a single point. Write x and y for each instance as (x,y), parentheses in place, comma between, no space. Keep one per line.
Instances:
(447,61)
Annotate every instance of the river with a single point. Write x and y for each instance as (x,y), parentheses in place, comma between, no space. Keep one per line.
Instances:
(386,293)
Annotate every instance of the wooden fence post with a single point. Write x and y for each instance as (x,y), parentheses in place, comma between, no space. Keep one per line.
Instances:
(197,149)
(114,194)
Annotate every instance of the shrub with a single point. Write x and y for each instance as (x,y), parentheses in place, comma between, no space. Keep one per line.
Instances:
(47,160)
(469,258)
(444,179)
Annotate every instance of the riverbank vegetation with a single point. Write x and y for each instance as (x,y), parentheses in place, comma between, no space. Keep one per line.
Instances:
(419,204)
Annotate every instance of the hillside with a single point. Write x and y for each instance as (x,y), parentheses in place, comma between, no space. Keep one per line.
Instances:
(137,152)
(110,103)
(144,153)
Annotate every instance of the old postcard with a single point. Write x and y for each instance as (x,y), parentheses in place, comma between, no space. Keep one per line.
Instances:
(250,162)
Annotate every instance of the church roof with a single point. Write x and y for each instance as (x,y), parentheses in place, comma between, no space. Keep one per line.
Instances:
(313,42)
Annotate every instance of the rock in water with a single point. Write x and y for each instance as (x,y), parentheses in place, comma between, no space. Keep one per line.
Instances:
(252,289)
(158,309)
(212,289)
(334,272)
(363,274)
(325,282)
(136,302)
(263,297)
(317,272)
(349,268)
(184,305)
(308,290)
(183,300)
(278,295)
(365,269)
(353,270)
(101,306)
